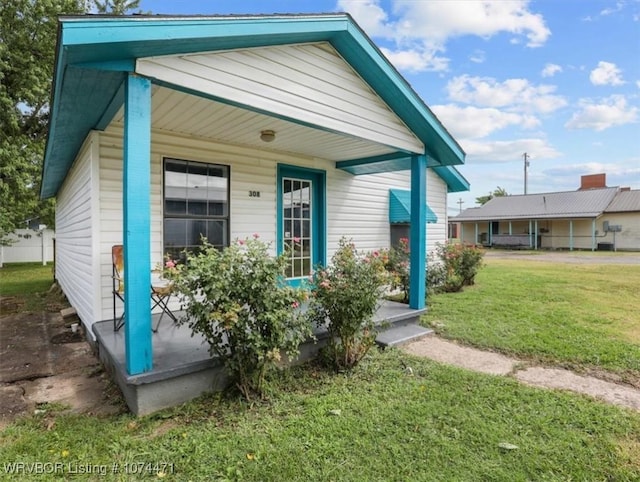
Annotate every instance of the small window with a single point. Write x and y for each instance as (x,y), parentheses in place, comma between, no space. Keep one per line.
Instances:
(399,231)
(196,205)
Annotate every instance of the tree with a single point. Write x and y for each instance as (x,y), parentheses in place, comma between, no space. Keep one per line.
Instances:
(28,30)
(498,192)
(116,7)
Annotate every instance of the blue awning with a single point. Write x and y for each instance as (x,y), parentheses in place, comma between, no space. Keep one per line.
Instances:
(400,207)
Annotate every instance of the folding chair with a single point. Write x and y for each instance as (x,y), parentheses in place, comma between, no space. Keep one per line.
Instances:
(160,292)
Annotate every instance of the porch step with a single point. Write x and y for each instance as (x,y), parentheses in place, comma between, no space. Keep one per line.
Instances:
(400,335)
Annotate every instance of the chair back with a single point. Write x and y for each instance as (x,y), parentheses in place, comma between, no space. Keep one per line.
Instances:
(117,258)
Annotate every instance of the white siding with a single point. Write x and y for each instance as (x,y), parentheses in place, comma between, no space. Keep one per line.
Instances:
(629,237)
(75,269)
(357,206)
(308,82)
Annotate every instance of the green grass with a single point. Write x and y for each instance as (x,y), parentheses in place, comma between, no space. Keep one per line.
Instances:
(379,423)
(580,316)
(29,283)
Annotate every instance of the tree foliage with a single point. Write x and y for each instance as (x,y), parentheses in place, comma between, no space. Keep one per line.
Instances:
(27,38)
(28,30)
(116,7)
(497,192)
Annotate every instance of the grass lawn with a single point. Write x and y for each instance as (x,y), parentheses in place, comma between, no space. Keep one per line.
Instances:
(29,283)
(575,315)
(384,422)
(378,423)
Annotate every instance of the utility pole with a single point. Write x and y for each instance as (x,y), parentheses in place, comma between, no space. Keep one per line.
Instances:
(526,168)
(460,203)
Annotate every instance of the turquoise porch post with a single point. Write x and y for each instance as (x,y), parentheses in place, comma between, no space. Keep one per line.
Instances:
(570,235)
(418,233)
(137,224)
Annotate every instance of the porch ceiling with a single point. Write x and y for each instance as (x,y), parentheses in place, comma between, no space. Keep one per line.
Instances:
(192,115)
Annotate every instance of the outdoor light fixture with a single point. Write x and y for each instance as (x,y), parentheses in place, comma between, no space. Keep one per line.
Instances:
(267,136)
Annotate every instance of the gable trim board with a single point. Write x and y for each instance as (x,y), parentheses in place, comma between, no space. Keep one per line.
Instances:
(112,42)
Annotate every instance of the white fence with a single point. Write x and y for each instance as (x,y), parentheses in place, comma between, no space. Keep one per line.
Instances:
(28,246)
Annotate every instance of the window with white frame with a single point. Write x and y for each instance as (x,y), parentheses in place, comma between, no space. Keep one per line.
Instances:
(196,205)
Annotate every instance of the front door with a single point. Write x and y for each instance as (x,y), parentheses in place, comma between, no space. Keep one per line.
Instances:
(301,220)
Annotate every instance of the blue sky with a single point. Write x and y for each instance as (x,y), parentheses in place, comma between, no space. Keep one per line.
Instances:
(557,79)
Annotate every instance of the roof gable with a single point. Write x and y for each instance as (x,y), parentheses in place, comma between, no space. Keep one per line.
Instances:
(625,201)
(95,53)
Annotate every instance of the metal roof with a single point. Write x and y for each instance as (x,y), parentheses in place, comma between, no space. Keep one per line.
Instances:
(625,201)
(553,205)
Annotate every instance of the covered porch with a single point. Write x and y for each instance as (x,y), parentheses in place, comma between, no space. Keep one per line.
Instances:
(183,368)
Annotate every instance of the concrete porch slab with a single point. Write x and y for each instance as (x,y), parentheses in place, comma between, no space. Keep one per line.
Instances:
(182,367)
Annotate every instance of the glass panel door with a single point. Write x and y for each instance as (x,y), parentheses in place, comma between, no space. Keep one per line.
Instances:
(297,230)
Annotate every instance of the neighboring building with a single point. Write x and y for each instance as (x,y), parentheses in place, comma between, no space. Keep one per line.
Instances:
(165,128)
(593,217)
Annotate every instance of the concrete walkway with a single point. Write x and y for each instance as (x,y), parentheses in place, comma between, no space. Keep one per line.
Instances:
(451,353)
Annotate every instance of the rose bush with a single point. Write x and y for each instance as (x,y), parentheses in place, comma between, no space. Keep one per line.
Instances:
(238,300)
(345,297)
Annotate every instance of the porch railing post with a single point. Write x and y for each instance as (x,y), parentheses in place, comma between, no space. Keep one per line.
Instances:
(137,224)
(418,233)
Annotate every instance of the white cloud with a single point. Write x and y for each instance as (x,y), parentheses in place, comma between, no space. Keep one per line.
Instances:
(416,60)
(619,169)
(507,151)
(612,10)
(515,93)
(440,20)
(609,112)
(369,15)
(422,29)
(606,73)
(550,70)
(478,56)
(474,123)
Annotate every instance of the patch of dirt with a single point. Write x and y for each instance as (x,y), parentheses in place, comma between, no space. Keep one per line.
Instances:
(42,361)
(451,353)
(10,304)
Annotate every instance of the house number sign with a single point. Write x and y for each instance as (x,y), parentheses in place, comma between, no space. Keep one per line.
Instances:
(254,193)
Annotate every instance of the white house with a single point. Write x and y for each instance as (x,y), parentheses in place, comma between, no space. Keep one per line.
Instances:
(165,128)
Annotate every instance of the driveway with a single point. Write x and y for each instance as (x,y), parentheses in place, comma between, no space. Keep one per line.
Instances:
(575,257)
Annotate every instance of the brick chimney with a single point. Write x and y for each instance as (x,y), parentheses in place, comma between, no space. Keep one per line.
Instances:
(593,181)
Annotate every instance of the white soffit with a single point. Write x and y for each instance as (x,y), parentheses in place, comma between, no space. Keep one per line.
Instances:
(308,83)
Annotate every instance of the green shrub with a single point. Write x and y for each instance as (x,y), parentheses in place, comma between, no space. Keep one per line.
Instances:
(396,262)
(345,298)
(453,266)
(238,300)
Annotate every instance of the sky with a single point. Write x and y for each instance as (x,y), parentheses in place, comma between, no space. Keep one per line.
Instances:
(558,80)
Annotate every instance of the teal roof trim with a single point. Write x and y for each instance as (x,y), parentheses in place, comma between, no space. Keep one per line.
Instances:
(456,182)
(394,161)
(400,207)
(94,53)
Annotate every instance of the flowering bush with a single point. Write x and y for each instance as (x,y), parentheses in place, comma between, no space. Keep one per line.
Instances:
(238,300)
(345,298)
(396,262)
(453,266)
